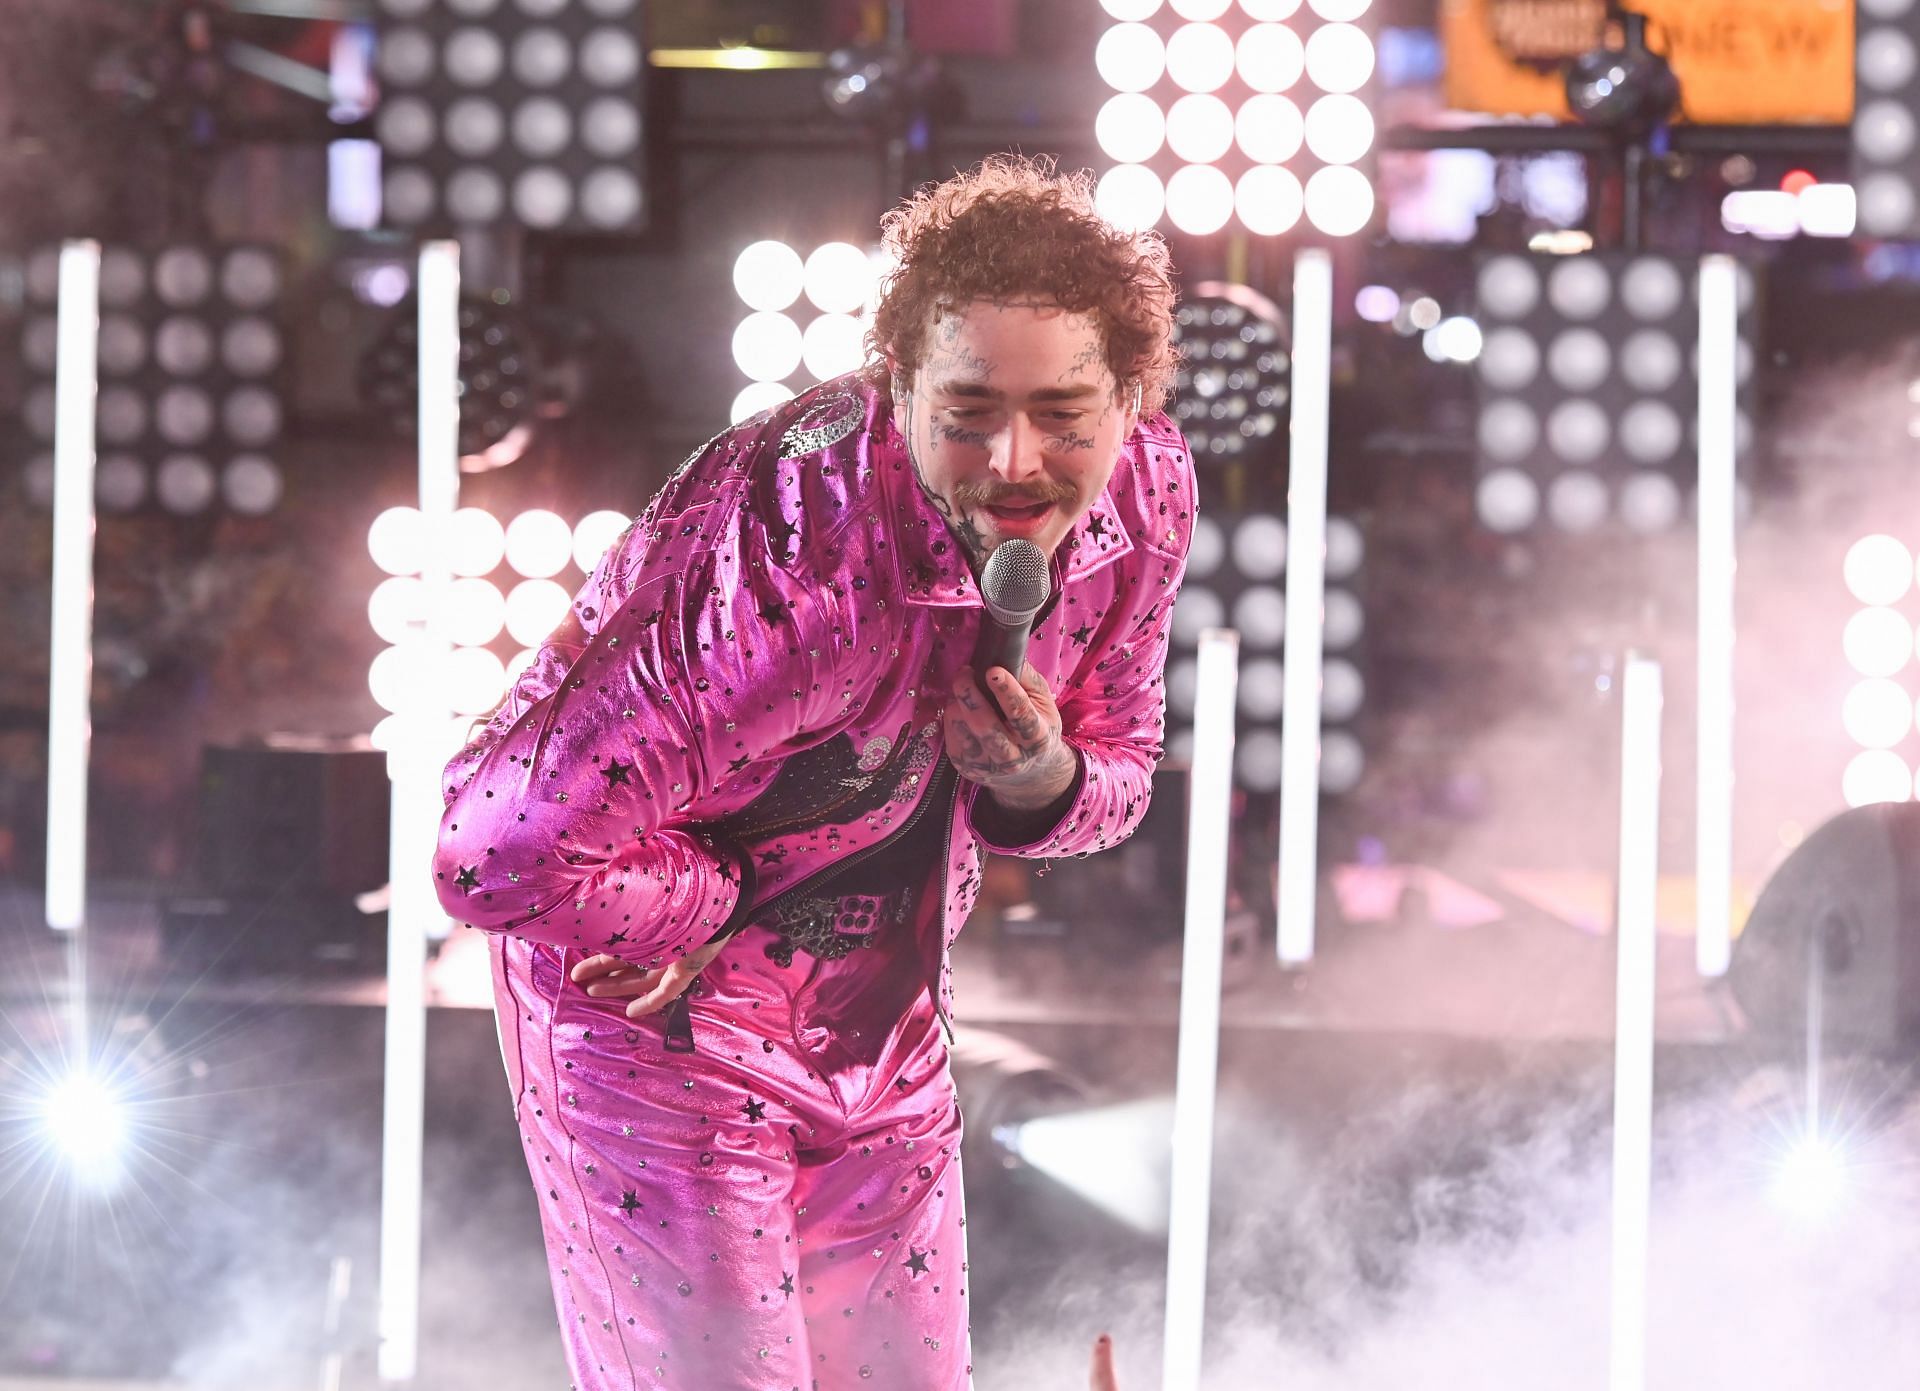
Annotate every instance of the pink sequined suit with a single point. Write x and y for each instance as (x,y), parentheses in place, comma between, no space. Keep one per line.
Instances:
(738,729)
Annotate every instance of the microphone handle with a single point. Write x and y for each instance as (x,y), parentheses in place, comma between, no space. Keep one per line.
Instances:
(1009,649)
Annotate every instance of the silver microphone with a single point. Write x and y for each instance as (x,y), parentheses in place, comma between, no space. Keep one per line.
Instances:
(1015,584)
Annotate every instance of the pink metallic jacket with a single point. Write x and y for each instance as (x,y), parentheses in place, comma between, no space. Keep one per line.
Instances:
(747,694)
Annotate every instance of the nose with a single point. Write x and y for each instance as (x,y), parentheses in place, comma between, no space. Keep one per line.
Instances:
(1017,453)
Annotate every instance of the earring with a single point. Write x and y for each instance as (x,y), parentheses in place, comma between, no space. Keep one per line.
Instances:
(1136,399)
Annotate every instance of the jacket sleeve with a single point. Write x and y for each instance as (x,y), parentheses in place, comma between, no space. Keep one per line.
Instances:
(574,819)
(1115,718)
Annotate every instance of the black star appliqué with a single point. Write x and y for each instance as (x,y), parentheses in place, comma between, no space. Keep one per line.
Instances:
(737,764)
(916,1261)
(774,856)
(616,939)
(754,1110)
(1082,635)
(629,1201)
(774,612)
(468,878)
(652,618)
(786,1283)
(1096,527)
(616,774)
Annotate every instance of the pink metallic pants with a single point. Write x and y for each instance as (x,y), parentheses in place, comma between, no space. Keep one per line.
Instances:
(778,1211)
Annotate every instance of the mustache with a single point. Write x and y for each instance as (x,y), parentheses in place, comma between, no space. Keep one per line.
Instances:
(1052,492)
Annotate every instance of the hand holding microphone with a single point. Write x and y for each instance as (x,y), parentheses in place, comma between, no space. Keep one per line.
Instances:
(1007,736)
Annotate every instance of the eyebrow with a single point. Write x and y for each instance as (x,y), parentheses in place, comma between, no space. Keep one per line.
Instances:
(979,390)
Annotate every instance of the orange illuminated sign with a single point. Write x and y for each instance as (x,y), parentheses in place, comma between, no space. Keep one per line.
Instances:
(1739,62)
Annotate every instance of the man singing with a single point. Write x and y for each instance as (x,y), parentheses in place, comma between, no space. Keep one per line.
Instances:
(726,826)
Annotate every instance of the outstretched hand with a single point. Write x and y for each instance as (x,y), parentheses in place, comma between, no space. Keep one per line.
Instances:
(1019,756)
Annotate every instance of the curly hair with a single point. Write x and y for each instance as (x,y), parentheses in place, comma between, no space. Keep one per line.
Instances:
(1013,226)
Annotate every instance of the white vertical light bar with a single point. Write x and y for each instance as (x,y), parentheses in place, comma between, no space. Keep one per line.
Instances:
(1209,818)
(1713,838)
(414,767)
(70,660)
(1634,928)
(1306,594)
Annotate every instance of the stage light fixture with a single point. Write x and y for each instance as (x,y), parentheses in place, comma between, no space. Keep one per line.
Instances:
(1588,394)
(1231,389)
(1886,153)
(1236,568)
(516,114)
(188,409)
(1265,118)
(810,311)
(1879,644)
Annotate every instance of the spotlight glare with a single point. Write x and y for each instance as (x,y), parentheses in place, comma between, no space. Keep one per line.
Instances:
(755,397)
(838,278)
(1339,200)
(1131,197)
(86,1119)
(1456,339)
(479,542)
(1879,570)
(1270,58)
(1200,57)
(1200,128)
(768,346)
(834,344)
(1130,128)
(534,609)
(594,533)
(539,544)
(397,541)
(1811,1180)
(1878,642)
(1130,57)
(1876,775)
(1114,1157)
(769,275)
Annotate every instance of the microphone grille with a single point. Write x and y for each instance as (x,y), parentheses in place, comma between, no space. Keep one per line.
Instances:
(1015,581)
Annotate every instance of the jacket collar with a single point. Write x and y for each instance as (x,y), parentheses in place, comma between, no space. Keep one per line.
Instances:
(933,565)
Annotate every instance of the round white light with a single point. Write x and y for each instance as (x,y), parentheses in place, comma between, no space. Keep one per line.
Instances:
(593,533)
(474,57)
(401,679)
(1260,615)
(1651,432)
(1345,548)
(1878,642)
(1258,760)
(1579,287)
(86,1119)
(1877,713)
(1131,10)
(405,126)
(769,275)
(1509,359)
(1269,200)
(1270,129)
(1200,57)
(1651,288)
(1577,501)
(542,127)
(1339,58)
(1343,621)
(755,397)
(1878,570)
(1260,547)
(1207,548)
(1455,339)
(1199,128)
(1270,11)
(541,57)
(183,276)
(838,277)
(1263,689)
(1339,129)
(834,344)
(1342,690)
(1130,57)
(1340,10)
(1339,200)
(397,609)
(610,127)
(1876,775)
(475,195)
(475,680)
(534,608)
(1883,131)
(1887,205)
(408,195)
(397,541)
(1201,10)
(767,346)
(1131,197)
(539,543)
(1578,359)
(609,57)
(185,484)
(1650,360)
(474,612)
(1508,431)
(1649,502)
(1577,430)
(542,196)
(478,542)
(474,127)
(1199,199)
(1509,287)
(1270,58)
(1196,610)
(1130,127)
